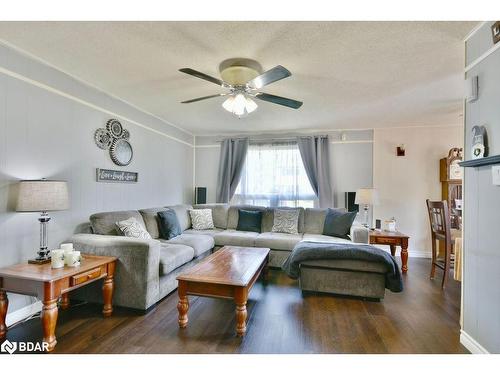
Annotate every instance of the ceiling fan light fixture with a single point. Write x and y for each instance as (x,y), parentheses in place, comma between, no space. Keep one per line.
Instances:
(250,105)
(239,104)
(228,104)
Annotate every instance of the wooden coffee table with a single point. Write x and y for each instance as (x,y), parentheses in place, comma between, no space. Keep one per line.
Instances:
(49,284)
(228,273)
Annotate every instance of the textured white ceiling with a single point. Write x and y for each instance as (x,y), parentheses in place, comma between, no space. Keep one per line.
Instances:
(348,74)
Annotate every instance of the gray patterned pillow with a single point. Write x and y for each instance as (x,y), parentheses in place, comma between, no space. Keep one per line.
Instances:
(202,219)
(286,221)
(132,228)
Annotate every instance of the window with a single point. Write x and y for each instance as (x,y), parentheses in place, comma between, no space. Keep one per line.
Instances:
(274,175)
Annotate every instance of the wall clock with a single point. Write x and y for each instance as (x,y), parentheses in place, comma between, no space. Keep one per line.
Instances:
(121,152)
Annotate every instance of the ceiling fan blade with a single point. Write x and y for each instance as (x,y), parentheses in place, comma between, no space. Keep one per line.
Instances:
(266,78)
(204,76)
(295,104)
(202,98)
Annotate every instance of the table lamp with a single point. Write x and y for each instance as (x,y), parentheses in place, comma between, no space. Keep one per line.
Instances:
(42,196)
(367,198)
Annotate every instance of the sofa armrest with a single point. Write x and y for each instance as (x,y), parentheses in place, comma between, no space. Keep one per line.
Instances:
(359,234)
(137,267)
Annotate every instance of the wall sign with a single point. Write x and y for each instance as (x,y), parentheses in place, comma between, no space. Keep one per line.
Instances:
(109,175)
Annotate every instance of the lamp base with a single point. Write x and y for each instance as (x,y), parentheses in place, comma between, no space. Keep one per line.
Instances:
(39,261)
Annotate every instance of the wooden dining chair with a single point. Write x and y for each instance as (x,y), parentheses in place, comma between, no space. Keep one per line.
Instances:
(439,218)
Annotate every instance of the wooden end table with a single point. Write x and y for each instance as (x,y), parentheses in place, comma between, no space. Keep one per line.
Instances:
(48,284)
(392,239)
(228,273)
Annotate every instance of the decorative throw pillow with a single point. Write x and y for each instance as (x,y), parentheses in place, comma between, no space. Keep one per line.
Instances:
(132,228)
(286,221)
(249,221)
(168,224)
(338,224)
(202,219)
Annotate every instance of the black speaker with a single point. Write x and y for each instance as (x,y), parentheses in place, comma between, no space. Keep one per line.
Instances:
(200,195)
(350,197)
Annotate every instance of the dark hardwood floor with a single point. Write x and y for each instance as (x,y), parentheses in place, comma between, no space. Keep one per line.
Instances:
(421,319)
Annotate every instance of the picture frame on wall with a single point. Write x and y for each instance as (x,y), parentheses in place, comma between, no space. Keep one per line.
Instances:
(495,32)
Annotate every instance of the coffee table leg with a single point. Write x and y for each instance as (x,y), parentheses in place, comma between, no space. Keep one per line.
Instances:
(4,304)
(240,297)
(182,305)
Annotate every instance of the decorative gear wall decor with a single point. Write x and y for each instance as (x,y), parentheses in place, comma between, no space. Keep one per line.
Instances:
(115,139)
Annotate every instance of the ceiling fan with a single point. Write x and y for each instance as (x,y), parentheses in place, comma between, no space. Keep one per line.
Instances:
(243,79)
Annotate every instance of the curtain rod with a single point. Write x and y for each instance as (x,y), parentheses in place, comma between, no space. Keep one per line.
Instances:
(291,138)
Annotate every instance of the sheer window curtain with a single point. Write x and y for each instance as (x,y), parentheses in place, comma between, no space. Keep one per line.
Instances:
(274,175)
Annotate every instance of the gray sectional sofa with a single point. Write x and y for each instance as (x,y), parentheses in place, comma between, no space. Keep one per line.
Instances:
(147,269)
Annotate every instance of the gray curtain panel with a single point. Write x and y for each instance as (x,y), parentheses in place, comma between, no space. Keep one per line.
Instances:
(232,158)
(314,151)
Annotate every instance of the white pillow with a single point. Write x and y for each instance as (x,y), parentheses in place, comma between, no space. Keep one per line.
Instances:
(132,228)
(202,219)
(286,221)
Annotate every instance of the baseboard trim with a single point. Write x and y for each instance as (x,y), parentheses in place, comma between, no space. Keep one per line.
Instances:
(23,313)
(472,345)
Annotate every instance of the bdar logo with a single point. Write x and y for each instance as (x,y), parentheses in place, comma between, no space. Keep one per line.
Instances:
(9,347)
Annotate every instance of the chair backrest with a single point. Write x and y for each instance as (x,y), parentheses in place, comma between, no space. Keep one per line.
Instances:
(439,218)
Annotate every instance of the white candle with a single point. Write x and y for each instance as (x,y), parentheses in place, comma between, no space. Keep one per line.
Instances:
(68,248)
(57,258)
(73,259)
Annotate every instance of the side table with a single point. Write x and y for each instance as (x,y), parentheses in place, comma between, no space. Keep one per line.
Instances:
(48,284)
(392,239)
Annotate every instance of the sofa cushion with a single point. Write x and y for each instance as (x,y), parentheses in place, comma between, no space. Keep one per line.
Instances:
(132,228)
(201,219)
(314,220)
(168,224)
(182,212)
(249,221)
(219,213)
(286,221)
(312,237)
(209,232)
(338,224)
(278,241)
(199,242)
(268,218)
(150,216)
(233,237)
(173,256)
(105,222)
(232,214)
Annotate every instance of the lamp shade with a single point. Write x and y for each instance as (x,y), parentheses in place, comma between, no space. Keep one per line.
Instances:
(366,196)
(42,195)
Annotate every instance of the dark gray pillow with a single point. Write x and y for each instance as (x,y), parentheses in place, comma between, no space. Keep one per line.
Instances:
(168,224)
(338,224)
(249,221)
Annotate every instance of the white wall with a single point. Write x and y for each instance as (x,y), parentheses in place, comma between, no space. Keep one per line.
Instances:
(47,122)
(404,183)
